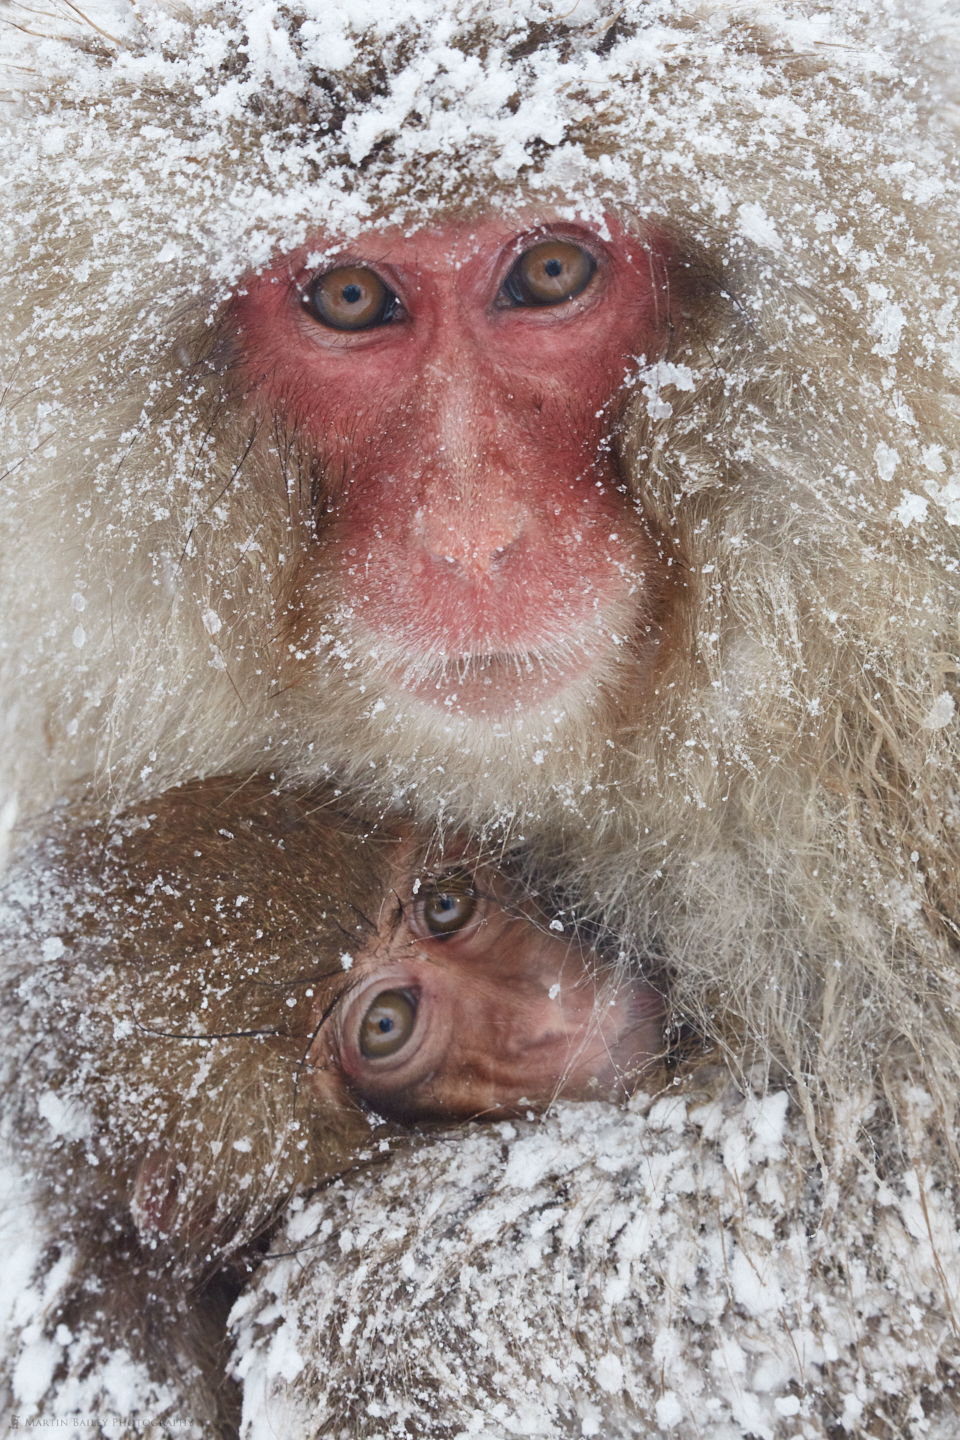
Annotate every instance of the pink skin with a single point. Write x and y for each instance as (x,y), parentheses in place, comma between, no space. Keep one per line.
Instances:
(508,1015)
(471,507)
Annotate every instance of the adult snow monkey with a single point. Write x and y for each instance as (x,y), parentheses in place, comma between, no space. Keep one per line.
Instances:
(544,421)
(210,1006)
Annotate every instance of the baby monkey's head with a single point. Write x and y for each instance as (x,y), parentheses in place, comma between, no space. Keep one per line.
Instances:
(467,1000)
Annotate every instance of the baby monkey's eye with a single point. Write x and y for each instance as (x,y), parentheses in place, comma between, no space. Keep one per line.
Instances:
(445,912)
(388,1024)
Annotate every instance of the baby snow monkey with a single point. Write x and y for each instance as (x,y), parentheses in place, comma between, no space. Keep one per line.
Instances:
(230,995)
(466,1004)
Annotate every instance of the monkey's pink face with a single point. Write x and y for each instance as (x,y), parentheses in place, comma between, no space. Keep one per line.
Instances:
(458,389)
(467,1007)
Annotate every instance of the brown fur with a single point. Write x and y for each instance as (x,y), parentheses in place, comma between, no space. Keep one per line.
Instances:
(170,986)
(155,1058)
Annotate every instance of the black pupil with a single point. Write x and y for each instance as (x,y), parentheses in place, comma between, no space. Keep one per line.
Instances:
(553,267)
(385,1025)
(351,293)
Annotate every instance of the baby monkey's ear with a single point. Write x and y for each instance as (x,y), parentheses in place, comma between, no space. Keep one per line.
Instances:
(155,1195)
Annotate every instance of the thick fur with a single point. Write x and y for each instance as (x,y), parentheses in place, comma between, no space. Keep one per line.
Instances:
(778,823)
(680,1269)
(158,979)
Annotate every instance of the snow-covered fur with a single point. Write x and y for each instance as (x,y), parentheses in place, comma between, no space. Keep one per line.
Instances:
(780,823)
(157,979)
(682,1269)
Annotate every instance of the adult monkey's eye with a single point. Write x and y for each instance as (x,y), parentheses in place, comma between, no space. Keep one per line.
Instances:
(388,1024)
(447,911)
(550,273)
(350,298)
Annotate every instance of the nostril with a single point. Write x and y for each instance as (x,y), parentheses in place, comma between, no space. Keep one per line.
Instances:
(474,547)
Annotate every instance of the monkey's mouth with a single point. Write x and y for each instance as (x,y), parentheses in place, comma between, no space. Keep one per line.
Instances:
(494,684)
(491,684)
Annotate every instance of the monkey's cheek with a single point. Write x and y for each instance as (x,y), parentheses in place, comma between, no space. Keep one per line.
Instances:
(621,1044)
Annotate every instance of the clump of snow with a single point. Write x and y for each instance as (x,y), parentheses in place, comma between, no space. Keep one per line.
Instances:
(357,113)
(670,1270)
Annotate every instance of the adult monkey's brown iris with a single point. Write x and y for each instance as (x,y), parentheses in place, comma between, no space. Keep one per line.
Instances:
(550,274)
(350,298)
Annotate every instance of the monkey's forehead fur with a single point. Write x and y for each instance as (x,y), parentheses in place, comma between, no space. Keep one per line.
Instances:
(358,114)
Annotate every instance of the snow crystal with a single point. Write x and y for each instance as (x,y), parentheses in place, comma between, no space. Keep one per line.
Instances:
(758,226)
(940,713)
(911,507)
(66,1119)
(887,461)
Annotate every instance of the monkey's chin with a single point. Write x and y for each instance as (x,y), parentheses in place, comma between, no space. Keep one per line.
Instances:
(476,751)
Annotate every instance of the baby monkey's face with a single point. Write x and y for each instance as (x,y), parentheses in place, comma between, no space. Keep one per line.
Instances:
(466,1003)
